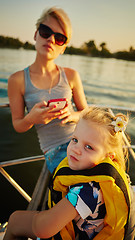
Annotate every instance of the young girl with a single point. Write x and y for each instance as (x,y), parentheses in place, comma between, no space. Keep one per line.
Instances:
(44,80)
(89,186)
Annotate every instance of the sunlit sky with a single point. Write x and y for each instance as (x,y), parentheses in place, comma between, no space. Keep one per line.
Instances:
(109,21)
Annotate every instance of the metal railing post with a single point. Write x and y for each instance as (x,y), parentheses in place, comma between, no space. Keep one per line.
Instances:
(12,181)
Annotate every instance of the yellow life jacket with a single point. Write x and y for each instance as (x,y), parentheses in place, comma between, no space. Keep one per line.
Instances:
(115,188)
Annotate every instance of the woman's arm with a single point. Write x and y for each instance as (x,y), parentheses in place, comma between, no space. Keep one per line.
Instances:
(77,90)
(78,97)
(39,114)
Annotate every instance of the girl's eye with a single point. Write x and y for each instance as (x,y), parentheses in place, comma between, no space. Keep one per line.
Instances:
(74,140)
(88,147)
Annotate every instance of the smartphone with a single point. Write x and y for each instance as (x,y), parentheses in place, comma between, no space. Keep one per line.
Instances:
(60,103)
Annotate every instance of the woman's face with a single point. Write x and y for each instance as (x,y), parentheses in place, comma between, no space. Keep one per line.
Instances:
(48,47)
(87,147)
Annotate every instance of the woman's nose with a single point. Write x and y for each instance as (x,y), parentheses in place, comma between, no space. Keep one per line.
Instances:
(52,38)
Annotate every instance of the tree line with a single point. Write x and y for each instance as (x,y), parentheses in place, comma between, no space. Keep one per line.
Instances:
(15,43)
(87,49)
(90,49)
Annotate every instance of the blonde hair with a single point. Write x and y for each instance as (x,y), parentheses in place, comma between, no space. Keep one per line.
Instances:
(60,16)
(114,141)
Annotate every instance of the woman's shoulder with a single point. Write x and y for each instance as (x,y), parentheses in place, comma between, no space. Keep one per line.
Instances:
(16,80)
(72,76)
(70,71)
(17,75)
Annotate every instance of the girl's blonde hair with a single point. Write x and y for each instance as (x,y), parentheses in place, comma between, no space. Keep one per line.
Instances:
(60,16)
(113,140)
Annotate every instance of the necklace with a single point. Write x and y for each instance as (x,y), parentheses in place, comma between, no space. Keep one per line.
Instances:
(50,86)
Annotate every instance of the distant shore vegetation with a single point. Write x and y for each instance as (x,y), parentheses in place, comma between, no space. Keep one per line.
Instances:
(87,49)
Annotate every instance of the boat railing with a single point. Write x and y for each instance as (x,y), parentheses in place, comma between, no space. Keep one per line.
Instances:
(42,182)
(2,105)
(15,162)
(122,108)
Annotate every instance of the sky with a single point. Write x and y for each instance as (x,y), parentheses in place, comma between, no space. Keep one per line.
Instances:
(109,21)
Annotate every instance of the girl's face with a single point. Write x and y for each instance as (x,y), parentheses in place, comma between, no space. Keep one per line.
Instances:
(86,148)
(48,47)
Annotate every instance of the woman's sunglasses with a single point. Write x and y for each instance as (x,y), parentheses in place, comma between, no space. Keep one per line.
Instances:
(46,32)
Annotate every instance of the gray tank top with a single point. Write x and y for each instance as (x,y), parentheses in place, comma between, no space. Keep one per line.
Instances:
(54,133)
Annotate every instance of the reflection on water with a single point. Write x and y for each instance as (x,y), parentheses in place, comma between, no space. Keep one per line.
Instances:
(12,60)
(105,81)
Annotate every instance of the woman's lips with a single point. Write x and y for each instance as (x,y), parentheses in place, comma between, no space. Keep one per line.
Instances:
(47,46)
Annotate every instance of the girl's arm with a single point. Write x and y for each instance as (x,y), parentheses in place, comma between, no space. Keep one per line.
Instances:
(47,223)
(42,224)
(20,225)
(38,114)
(78,97)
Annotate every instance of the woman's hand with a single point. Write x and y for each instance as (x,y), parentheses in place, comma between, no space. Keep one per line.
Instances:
(41,114)
(67,116)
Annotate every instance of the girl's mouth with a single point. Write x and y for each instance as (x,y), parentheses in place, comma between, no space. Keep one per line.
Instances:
(73,158)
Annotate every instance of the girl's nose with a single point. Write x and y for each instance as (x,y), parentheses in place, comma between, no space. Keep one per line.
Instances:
(77,149)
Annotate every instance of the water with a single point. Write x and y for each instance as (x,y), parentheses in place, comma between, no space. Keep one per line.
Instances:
(105,82)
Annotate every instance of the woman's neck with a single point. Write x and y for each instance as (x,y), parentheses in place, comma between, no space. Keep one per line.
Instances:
(43,67)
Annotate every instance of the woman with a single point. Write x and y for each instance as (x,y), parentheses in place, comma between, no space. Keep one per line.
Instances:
(44,80)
